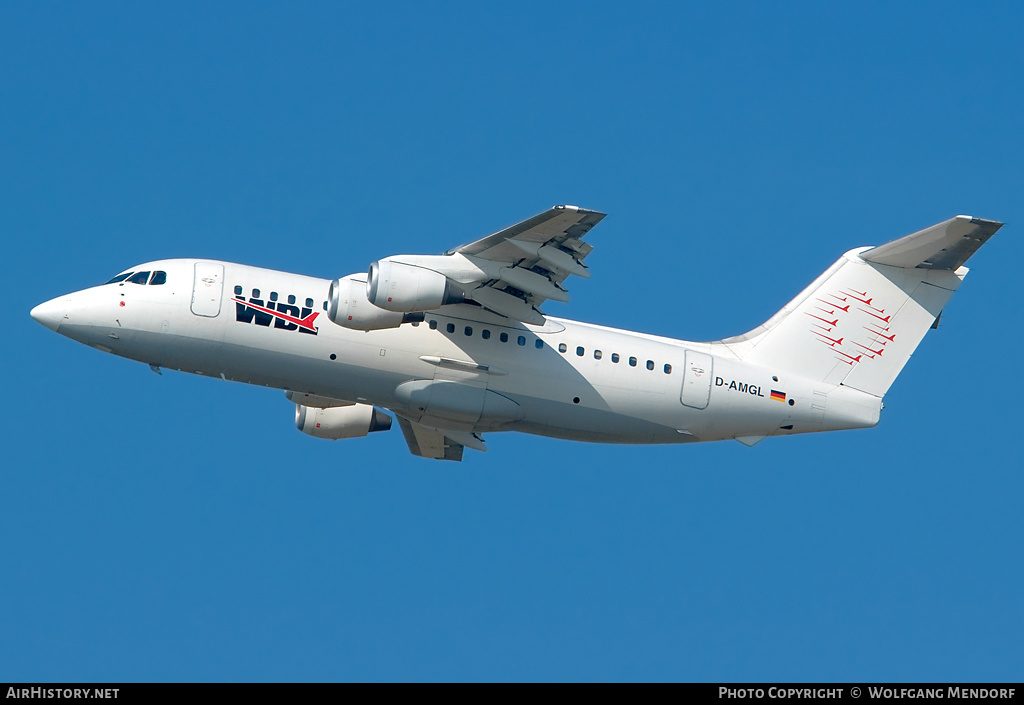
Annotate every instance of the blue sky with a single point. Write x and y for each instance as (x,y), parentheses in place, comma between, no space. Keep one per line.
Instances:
(179,528)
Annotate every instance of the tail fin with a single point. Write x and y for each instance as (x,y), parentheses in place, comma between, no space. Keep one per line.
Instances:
(859,322)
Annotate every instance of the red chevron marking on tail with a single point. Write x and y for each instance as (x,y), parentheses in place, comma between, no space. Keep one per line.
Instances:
(831,323)
(857,298)
(876,352)
(886,319)
(838,308)
(890,338)
(833,342)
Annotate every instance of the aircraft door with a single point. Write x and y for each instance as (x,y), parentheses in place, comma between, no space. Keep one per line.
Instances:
(697,368)
(208,289)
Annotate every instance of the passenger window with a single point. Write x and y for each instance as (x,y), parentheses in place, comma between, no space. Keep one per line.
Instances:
(485,334)
(450,327)
(668,369)
(469,331)
(309,303)
(650,364)
(273,296)
(521,340)
(238,291)
(433,325)
(159,278)
(139,278)
(291,298)
(538,343)
(632,362)
(615,357)
(325,305)
(597,354)
(256,295)
(579,351)
(503,337)
(561,347)
(119,278)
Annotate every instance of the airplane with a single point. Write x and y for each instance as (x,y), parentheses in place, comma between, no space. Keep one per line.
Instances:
(456,345)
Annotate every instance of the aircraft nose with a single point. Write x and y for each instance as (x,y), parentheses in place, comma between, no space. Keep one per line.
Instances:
(50,314)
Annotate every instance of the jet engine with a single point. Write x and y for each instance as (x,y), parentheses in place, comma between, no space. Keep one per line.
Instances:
(396,286)
(354,421)
(348,306)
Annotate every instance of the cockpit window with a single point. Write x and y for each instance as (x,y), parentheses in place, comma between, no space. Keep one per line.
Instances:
(139,278)
(119,278)
(159,277)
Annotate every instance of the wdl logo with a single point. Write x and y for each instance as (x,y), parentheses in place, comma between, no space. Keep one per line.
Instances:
(284,316)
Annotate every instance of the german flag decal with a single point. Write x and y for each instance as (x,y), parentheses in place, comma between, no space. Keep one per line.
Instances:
(778,396)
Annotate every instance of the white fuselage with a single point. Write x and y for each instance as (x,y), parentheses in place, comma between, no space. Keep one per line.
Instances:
(564,379)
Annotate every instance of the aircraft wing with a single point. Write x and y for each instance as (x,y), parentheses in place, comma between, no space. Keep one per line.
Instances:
(530,260)
(429,442)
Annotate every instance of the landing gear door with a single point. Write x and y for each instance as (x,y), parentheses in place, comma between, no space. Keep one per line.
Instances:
(208,289)
(697,369)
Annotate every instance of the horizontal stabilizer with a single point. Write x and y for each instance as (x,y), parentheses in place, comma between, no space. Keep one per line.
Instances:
(944,246)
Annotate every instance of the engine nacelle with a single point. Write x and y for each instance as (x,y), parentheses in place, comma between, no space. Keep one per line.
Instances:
(397,286)
(336,422)
(348,306)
